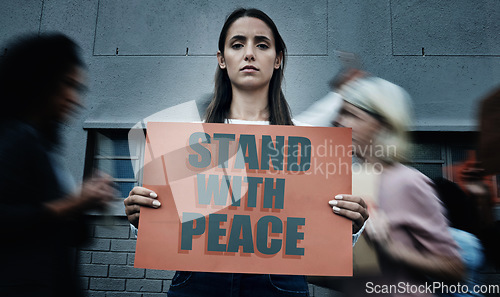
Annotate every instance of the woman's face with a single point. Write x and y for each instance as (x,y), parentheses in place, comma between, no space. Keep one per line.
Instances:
(67,99)
(364,127)
(249,54)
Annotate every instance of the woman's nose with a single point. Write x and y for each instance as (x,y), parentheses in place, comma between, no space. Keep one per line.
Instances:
(249,54)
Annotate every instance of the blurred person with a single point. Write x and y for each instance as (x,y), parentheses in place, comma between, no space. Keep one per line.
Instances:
(489,136)
(476,178)
(407,224)
(41,209)
(464,219)
(251,61)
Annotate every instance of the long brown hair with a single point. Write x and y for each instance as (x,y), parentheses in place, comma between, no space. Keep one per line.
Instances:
(279,111)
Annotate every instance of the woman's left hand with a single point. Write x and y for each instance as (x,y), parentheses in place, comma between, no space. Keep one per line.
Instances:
(351,207)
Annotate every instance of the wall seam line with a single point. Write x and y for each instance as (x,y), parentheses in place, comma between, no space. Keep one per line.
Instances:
(41,18)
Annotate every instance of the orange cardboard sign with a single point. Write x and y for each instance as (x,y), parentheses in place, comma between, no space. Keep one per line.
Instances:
(246,198)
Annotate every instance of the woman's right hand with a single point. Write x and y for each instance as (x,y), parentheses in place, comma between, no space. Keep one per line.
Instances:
(138,197)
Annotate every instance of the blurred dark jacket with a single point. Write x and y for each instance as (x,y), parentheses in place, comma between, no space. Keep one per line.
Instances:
(39,258)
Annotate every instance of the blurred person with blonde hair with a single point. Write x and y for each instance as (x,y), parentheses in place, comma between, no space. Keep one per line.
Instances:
(407,223)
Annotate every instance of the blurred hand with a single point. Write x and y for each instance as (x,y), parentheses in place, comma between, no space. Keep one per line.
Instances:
(377,228)
(472,177)
(138,197)
(94,194)
(472,171)
(351,207)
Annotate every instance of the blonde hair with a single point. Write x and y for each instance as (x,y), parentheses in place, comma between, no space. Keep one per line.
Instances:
(392,105)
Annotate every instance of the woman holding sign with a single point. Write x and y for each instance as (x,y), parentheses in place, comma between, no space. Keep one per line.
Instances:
(251,60)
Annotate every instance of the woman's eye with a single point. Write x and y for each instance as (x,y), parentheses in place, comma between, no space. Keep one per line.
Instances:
(346,113)
(237,45)
(262,46)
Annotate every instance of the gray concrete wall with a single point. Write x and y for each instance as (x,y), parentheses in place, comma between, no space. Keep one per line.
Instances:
(149,55)
(145,56)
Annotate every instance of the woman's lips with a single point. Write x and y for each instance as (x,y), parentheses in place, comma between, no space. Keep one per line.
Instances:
(249,68)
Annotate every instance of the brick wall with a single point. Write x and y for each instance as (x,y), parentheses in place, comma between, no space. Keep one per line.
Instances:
(107,263)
